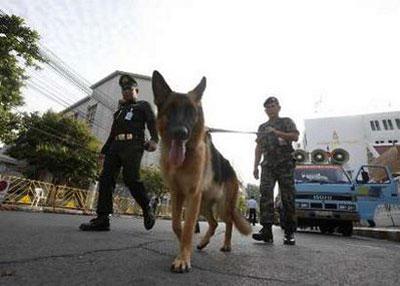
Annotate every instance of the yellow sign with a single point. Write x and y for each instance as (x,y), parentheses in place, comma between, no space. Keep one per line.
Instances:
(25,199)
(71,204)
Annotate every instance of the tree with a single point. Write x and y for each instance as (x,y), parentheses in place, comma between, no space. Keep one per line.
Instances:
(18,50)
(253,191)
(153,181)
(61,146)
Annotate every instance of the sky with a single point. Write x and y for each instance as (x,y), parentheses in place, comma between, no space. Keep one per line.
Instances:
(320,58)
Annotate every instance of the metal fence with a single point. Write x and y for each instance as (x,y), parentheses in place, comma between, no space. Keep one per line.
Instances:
(37,194)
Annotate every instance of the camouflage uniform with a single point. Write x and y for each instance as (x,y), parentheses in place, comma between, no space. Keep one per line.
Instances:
(277,165)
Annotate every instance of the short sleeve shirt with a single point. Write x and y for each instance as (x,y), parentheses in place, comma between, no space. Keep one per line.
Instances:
(275,149)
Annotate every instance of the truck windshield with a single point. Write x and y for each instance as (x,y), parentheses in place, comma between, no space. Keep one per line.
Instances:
(320,174)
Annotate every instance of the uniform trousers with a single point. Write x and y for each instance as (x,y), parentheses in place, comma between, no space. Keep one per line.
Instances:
(128,155)
(283,174)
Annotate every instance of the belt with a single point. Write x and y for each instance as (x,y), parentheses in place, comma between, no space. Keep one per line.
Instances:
(123,137)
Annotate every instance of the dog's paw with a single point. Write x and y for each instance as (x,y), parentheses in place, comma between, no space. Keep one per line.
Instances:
(181,265)
(202,245)
(226,248)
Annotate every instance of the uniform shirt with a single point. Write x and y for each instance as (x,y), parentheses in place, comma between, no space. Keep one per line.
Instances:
(142,115)
(275,149)
(252,204)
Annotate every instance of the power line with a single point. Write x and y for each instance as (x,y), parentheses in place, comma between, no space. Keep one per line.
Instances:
(57,99)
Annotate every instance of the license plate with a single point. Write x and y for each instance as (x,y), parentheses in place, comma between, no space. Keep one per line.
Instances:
(323,214)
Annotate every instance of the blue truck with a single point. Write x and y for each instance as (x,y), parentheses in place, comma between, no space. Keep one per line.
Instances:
(326,198)
(378,196)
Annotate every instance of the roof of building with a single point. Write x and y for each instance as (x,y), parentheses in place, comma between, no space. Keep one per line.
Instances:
(117,73)
(359,116)
(83,100)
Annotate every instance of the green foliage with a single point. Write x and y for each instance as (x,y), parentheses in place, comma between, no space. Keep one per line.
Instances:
(18,50)
(62,146)
(242,206)
(153,181)
(253,191)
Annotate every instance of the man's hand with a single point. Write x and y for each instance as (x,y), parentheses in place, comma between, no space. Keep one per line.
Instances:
(255,173)
(270,129)
(150,146)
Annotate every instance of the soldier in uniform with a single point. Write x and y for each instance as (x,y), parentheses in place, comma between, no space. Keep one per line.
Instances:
(124,148)
(274,144)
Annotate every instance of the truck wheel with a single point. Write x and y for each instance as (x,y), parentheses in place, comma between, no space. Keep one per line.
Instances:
(346,229)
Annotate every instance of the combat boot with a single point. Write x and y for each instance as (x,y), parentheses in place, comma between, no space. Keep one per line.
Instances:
(149,219)
(265,234)
(100,223)
(288,239)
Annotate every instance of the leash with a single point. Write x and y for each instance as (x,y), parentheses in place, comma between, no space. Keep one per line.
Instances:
(219,130)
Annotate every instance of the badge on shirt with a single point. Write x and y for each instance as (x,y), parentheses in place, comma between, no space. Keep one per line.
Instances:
(129,115)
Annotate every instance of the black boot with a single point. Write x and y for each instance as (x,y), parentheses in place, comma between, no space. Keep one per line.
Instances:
(265,234)
(149,218)
(288,239)
(100,223)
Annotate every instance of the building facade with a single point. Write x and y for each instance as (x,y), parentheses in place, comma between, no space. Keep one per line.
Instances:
(98,108)
(364,136)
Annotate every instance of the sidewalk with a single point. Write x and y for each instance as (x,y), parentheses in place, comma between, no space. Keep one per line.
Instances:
(387,233)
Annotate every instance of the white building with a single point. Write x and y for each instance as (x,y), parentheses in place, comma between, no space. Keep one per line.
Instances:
(363,136)
(98,108)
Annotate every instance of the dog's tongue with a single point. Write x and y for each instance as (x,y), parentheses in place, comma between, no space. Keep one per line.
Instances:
(177,152)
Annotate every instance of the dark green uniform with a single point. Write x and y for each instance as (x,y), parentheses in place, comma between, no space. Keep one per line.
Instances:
(124,148)
(277,165)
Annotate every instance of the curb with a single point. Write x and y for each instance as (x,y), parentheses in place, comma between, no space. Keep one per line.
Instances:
(10,207)
(392,234)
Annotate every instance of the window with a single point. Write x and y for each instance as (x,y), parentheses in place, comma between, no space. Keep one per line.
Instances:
(390,124)
(398,123)
(382,142)
(385,124)
(91,114)
(390,141)
(372,125)
(376,142)
(378,127)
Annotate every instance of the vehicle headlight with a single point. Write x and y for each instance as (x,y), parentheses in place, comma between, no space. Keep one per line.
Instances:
(302,205)
(350,207)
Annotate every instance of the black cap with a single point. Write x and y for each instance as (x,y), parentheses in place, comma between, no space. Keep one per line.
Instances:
(126,82)
(270,100)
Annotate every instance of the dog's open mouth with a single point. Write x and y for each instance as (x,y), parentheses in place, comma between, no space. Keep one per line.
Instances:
(177,152)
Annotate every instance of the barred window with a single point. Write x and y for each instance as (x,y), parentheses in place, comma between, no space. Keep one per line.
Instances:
(390,124)
(398,123)
(378,127)
(372,125)
(91,113)
(385,124)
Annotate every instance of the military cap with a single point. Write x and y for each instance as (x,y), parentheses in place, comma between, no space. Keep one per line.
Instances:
(270,100)
(126,81)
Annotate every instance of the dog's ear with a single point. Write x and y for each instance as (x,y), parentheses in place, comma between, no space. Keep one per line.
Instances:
(161,89)
(198,91)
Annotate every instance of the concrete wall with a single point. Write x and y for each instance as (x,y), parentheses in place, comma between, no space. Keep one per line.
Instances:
(353,133)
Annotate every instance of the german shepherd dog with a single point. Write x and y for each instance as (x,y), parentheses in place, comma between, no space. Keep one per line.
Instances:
(195,172)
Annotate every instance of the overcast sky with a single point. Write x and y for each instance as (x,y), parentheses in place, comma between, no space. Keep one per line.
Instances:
(320,58)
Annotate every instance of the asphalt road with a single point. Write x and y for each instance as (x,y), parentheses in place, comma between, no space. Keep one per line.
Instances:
(48,249)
